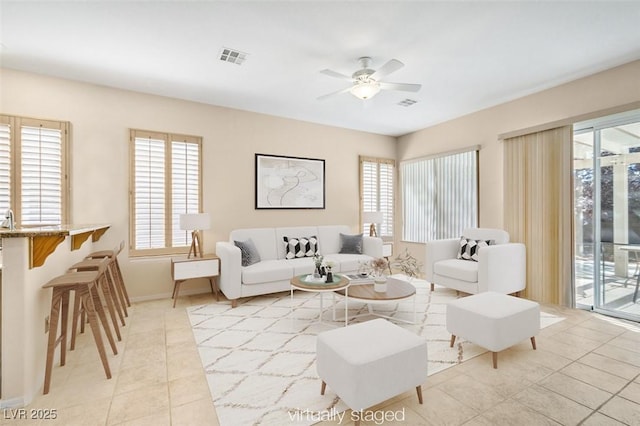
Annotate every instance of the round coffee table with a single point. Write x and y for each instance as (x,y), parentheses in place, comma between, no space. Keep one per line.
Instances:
(301,282)
(396,290)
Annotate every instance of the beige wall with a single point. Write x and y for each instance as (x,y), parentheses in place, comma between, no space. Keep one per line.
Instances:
(608,89)
(101,117)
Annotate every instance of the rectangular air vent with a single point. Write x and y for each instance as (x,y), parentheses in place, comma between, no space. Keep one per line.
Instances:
(232,56)
(407,102)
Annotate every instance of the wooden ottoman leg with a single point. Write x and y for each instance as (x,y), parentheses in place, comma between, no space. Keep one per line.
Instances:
(432,286)
(419,390)
(453,340)
(495,359)
(533,342)
(323,388)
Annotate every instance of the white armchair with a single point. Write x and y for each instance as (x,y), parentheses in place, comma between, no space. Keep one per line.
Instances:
(501,267)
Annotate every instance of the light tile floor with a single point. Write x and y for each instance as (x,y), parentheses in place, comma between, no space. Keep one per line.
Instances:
(586,371)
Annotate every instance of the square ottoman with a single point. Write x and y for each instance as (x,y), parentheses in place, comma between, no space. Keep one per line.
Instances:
(370,362)
(494,321)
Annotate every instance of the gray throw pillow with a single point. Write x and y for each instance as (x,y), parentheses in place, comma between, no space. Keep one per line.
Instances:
(351,244)
(249,252)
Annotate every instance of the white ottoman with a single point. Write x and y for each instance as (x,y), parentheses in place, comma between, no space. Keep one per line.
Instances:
(494,321)
(370,362)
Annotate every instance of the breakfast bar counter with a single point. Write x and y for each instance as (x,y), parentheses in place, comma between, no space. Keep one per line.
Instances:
(30,258)
(43,240)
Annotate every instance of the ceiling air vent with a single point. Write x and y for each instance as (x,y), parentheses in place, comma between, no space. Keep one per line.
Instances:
(407,102)
(232,56)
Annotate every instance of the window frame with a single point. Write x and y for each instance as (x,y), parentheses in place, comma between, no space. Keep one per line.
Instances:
(389,221)
(169,139)
(15,124)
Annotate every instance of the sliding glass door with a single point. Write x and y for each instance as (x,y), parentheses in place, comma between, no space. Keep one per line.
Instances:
(606,169)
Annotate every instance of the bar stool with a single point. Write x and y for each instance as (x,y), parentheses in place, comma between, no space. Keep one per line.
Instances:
(116,272)
(107,287)
(84,284)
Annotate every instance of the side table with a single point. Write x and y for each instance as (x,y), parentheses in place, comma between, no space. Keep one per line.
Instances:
(183,269)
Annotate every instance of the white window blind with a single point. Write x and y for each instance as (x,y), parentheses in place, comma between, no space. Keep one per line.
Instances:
(185,187)
(439,196)
(150,192)
(33,176)
(166,183)
(377,192)
(41,176)
(5,167)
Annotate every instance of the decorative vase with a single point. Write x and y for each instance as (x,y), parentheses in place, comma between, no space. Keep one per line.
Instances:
(329,277)
(380,284)
(316,272)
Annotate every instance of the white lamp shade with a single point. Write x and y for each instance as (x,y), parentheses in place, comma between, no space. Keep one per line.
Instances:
(372,217)
(195,221)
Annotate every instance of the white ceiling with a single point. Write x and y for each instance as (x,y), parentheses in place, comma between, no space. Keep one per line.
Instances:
(467,55)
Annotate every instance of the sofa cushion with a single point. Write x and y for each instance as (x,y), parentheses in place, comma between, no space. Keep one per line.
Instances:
(500,236)
(263,238)
(329,237)
(347,262)
(350,244)
(300,247)
(469,248)
(248,251)
(268,271)
(458,269)
(301,266)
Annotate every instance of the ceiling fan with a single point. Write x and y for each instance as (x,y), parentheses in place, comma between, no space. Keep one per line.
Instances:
(366,82)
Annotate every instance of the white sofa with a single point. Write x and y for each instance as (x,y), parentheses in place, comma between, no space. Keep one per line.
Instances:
(500,267)
(273,272)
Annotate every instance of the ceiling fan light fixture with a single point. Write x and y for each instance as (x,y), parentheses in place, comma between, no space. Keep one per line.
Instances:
(366,89)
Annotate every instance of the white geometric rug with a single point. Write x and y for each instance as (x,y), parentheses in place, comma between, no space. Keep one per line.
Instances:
(260,360)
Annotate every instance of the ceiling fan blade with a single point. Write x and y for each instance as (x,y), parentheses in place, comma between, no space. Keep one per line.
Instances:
(405,87)
(329,95)
(335,74)
(391,66)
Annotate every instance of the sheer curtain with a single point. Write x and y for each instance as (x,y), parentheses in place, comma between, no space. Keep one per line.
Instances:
(538,212)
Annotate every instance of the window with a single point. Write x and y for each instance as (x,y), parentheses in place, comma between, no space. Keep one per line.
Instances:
(166,181)
(439,196)
(33,170)
(377,192)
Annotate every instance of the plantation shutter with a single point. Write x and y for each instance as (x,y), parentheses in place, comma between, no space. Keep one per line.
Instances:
(185,187)
(41,174)
(5,166)
(166,182)
(377,191)
(149,199)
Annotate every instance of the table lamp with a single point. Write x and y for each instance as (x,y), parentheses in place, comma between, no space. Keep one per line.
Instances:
(372,218)
(195,222)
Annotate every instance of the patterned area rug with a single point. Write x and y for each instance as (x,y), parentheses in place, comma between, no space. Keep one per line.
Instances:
(260,357)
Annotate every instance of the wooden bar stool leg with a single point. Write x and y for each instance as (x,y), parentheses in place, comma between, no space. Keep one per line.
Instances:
(121,278)
(64,327)
(77,307)
(97,307)
(88,302)
(119,286)
(113,289)
(56,301)
(104,287)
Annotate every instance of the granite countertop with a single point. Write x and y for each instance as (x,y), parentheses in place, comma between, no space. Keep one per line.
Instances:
(53,230)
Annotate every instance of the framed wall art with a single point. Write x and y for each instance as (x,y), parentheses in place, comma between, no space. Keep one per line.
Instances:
(289,182)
